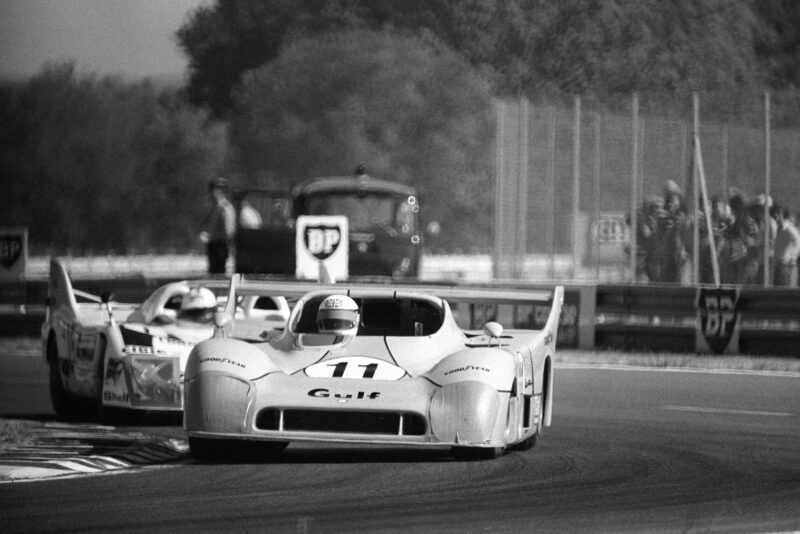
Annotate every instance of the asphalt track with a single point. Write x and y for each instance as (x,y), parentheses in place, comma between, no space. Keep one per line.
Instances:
(629,451)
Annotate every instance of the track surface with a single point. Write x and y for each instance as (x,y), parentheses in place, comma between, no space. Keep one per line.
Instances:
(630,451)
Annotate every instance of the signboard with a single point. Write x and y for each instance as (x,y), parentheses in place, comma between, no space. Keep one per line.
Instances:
(717,325)
(13,253)
(322,246)
(610,237)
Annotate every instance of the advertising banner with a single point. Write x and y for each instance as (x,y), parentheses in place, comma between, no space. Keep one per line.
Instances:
(322,247)
(13,253)
(717,326)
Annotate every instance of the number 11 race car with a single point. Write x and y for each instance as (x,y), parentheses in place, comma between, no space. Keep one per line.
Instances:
(373,365)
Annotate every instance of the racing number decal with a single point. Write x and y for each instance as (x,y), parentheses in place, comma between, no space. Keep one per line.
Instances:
(340,367)
(355,367)
(717,319)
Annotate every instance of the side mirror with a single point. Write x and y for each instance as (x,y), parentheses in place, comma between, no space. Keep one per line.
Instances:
(493,329)
(221,319)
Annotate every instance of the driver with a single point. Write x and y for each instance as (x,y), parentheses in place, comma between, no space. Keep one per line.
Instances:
(338,314)
(198,306)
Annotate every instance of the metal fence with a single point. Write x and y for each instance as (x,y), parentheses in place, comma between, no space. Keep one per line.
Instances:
(568,180)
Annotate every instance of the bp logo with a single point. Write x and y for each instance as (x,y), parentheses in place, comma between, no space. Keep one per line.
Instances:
(322,240)
(718,318)
(10,249)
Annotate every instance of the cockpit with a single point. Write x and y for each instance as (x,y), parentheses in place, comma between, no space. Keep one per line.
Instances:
(381,316)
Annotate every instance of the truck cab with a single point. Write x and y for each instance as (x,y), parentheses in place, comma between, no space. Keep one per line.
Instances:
(383,218)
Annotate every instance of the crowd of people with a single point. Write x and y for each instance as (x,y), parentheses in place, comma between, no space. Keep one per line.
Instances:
(665,237)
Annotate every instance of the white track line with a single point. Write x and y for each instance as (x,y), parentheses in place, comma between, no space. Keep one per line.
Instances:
(613,367)
(729,411)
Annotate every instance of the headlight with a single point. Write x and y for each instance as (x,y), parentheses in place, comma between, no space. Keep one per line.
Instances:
(154,381)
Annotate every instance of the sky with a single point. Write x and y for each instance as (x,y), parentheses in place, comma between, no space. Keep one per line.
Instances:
(134,38)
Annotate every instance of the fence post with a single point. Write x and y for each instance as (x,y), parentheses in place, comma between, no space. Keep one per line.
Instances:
(634,180)
(596,202)
(576,185)
(695,191)
(767,172)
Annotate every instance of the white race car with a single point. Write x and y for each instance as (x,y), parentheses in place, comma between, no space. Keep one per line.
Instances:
(374,365)
(105,355)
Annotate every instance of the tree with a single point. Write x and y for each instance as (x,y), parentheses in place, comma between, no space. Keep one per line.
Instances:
(527,47)
(101,164)
(406,106)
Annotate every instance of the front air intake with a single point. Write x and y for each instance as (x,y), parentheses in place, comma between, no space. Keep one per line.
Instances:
(342,422)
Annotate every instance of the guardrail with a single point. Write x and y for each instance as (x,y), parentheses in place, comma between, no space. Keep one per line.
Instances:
(604,316)
(662,318)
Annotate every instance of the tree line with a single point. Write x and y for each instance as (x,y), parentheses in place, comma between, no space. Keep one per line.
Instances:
(279,92)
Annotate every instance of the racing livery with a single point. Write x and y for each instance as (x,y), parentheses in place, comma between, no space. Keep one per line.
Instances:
(102,354)
(373,364)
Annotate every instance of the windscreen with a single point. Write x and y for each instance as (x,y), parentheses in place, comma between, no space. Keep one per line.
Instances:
(365,211)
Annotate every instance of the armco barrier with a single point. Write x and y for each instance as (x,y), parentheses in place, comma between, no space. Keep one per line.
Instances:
(624,317)
(664,319)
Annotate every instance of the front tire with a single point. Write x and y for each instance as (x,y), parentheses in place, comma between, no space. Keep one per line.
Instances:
(66,405)
(209,450)
(477,453)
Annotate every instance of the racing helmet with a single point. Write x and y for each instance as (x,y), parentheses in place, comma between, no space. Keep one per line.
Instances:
(198,305)
(338,314)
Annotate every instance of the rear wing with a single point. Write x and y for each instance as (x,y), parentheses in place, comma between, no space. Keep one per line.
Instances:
(476,301)
(61,292)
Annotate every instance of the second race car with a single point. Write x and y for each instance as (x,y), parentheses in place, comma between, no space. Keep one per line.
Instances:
(104,355)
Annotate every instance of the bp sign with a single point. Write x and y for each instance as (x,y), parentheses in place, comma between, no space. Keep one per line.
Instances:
(13,253)
(322,247)
(717,325)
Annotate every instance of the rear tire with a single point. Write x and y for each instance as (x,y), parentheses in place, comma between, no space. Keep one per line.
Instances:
(477,453)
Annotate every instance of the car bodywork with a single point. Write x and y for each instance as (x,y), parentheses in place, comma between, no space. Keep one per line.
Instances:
(104,355)
(410,377)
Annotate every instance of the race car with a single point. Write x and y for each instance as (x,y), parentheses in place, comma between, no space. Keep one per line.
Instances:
(378,365)
(105,356)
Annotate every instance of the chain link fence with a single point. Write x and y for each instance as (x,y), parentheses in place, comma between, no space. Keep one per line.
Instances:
(569,179)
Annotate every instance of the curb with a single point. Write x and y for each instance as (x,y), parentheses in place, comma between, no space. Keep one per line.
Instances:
(59,449)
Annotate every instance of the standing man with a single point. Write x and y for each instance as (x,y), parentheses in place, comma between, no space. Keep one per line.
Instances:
(786,248)
(219,226)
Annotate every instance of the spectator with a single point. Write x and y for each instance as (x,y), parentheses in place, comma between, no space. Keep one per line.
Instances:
(720,220)
(786,248)
(670,259)
(219,227)
(646,226)
(740,256)
(757,208)
(249,218)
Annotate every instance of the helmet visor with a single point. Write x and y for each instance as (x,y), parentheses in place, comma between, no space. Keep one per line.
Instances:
(198,315)
(337,320)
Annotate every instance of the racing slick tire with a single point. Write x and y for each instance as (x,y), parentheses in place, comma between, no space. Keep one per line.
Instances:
(530,442)
(526,444)
(209,450)
(477,453)
(66,405)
